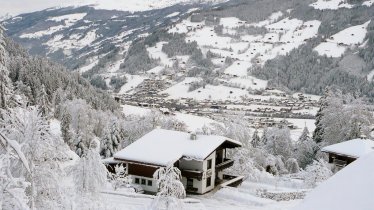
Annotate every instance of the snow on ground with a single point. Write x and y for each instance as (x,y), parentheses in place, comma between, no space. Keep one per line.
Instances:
(55,126)
(89,66)
(336,45)
(132,82)
(330,49)
(135,110)
(249,82)
(182,87)
(209,92)
(242,198)
(351,188)
(330,4)
(272,18)
(239,68)
(282,37)
(173,14)
(69,20)
(370,75)
(231,22)
(75,41)
(194,122)
(156,53)
(17,7)
(156,70)
(368,3)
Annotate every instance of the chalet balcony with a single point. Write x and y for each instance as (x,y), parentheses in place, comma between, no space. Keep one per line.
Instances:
(225,164)
(193,174)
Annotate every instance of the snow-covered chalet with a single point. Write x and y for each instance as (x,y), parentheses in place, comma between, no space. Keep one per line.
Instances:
(201,159)
(344,153)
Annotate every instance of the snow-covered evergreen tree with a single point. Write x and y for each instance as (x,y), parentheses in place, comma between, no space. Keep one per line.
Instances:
(305,149)
(5,82)
(90,174)
(256,141)
(264,140)
(43,101)
(319,130)
(111,142)
(43,153)
(305,135)
(279,142)
(66,131)
(292,166)
(12,189)
(170,189)
(317,172)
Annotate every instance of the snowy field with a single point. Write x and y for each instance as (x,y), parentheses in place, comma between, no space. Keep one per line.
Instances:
(337,44)
(242,198)
(330,4)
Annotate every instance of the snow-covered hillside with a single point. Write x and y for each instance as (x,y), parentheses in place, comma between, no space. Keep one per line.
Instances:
(337,44)
(19,7)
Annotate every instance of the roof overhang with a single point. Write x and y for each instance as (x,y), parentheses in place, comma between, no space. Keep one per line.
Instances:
(340,154)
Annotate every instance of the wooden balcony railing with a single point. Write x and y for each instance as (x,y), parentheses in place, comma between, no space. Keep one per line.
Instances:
(193,174)
(225,164)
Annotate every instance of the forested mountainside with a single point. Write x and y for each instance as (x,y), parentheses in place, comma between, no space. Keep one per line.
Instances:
(305,46)
(76,37)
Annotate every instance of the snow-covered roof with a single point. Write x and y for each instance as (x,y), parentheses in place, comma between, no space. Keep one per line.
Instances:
(351,188)
(353,148)
(161,147)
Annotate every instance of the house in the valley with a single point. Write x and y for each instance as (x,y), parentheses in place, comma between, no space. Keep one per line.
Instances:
(201,159)
(344,153)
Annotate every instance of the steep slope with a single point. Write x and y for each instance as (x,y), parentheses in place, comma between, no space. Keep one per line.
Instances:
(77,36)
(18,6)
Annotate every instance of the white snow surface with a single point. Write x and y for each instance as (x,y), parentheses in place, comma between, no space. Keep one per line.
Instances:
(336,45)
(368,3)
(194,122)
(162,147)
(354,148)
(69,20)
(330,4)
(352,188)
(16,7)
(135,110)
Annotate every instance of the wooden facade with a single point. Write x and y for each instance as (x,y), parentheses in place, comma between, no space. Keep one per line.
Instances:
(340,160)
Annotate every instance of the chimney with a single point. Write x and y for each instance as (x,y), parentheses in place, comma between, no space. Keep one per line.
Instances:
(193,136)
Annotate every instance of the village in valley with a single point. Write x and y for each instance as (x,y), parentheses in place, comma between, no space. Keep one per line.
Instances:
(187,105)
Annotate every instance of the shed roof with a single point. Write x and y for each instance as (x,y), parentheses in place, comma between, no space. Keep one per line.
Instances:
(352,148)
(162,147)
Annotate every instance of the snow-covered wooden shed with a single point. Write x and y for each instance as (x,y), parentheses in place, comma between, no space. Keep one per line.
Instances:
(201,158)
(352,188)
(344,153)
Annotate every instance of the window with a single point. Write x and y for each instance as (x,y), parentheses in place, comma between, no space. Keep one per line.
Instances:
(149,182)
(189,183)
(209,164)
(143,181)
(137,181)
(208,182)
